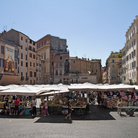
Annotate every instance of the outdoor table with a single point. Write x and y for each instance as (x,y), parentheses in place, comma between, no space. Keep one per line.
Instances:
(79,109)
(129,109)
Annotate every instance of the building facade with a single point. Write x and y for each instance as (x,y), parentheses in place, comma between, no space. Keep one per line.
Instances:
(56,57)
(104,75)
(26,55)
(113,65)
(84,70)
(8,63)
(130,55)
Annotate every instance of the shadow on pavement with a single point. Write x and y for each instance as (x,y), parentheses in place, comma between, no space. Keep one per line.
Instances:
(95,113)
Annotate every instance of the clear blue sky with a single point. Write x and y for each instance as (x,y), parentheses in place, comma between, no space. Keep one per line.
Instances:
(93,28)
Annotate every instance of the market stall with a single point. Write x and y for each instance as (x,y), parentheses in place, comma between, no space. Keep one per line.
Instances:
(25,94)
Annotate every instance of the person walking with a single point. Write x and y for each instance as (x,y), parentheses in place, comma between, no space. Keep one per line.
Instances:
(69,111)
(45,108)
(119,104)
(33,107)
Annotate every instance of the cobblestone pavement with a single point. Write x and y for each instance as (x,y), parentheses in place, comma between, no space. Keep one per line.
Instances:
(98,123)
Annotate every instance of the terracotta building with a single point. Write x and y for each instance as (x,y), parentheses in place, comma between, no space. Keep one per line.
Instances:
(55,54)
(27,55)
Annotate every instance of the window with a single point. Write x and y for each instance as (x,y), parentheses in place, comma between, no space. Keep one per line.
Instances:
(30,41)
(60,64)
(26,48)
(33,49)
(21,55)
(134,52)
(30,64)
(30,73)
(113,66)
(15,65)
(26,40)
(64,44)
(2,49)
(1,62)
(21,63)
(129,56)
(30,48)
(134,42)
(30,81)
(56,72)
(34,74)
(16,54)
(113,61)
(30,55)
(134,63)
(21,38)
(21,47)
(33,64)
(26,64)
(26,75)
(26,57)
(60,57)
(45,56)
(33,56)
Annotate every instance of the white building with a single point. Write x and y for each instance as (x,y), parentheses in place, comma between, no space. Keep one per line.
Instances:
(130,55)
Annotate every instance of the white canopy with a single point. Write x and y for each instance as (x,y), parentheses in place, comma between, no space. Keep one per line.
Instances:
(33,90)
(101,87)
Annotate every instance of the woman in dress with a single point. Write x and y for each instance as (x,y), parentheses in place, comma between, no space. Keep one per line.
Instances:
(69,111)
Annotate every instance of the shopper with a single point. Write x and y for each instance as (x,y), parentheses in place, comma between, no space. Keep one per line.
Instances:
(45,108)
(34,107)
(69,111)
(119,104)
(16,103)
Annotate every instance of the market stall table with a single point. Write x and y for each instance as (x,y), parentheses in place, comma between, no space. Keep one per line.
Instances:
(129,109)
(79,110)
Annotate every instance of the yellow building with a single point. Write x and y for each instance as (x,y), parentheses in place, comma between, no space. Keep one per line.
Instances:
(85,70)
(113,65)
